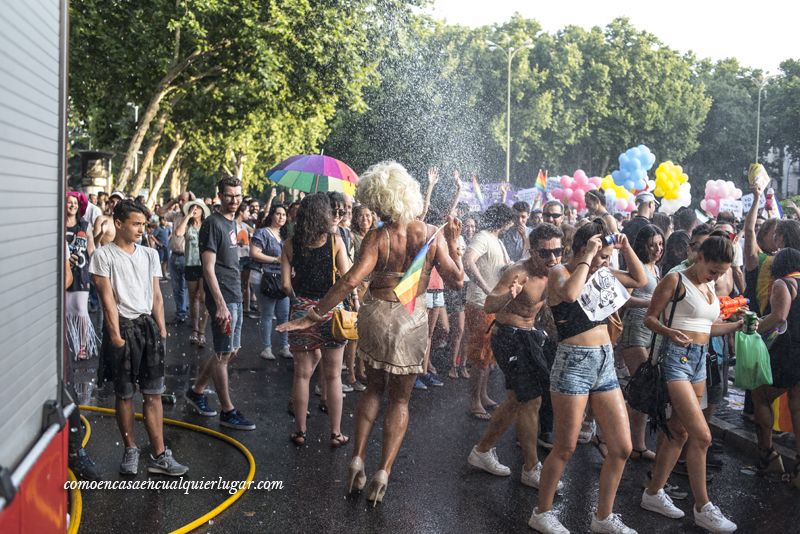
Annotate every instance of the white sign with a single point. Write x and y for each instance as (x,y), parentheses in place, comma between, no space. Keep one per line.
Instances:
(602,295)
(528,195)
(747,202)
(553,183)
(734,206)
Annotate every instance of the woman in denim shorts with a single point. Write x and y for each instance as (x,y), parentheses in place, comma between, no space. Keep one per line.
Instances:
(583,370)
(683,363)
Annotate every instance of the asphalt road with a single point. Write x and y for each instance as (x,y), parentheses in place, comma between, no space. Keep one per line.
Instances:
(431,489)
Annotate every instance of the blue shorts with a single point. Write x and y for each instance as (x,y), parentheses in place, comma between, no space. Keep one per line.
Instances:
(434,299)
(227,342)
(683,363)
(580,370)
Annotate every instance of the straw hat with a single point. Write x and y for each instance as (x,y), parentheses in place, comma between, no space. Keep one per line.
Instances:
(188,206)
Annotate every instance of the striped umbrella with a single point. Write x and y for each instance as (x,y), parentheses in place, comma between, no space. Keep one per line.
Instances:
(313,174)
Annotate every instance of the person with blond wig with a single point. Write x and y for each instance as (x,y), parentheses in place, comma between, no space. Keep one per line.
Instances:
(392,342)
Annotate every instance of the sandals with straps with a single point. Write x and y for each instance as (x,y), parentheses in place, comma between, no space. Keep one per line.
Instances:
(337,440)
(298,438)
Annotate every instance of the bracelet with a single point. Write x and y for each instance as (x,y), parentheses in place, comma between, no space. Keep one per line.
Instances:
(584,263)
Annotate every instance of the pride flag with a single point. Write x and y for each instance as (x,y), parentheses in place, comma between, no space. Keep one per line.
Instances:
(541,181)
(406,290)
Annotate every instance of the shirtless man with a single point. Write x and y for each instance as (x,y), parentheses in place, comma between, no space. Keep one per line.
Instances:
(103,229)
(516,300)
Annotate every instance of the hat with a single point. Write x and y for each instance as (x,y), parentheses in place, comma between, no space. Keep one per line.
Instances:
(187,206)
(646,196)
(117,194)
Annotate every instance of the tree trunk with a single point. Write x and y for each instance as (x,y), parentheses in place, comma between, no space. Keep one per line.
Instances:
(153,106)
(175,182)
(179,141)
(149,153)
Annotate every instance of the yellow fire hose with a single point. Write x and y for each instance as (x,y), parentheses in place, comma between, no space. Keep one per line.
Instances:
(76,507)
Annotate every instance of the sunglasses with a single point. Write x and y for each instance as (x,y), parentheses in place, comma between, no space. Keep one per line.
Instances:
(545,253)
(552,215)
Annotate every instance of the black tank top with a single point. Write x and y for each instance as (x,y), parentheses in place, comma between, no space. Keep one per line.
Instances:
(571,320)
(313,270)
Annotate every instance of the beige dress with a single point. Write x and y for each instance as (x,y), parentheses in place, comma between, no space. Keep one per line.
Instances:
(390,339)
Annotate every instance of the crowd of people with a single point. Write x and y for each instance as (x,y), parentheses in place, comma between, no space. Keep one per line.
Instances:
(565,306)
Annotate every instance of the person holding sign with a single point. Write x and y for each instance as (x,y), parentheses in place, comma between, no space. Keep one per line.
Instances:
(582,294)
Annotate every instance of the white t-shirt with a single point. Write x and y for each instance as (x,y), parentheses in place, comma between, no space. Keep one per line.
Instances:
(492,257)
(131,276)
(91,214)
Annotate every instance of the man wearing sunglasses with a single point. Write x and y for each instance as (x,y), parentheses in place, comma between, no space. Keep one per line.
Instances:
(553,213)
(517,345)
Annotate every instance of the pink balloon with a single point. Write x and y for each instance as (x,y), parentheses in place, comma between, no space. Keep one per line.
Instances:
(578,195)
(596,181)
(631,205)
(557,194)
(580,175)
(567,193)
(566,182)
(737,193)
(622,204)
(712,206)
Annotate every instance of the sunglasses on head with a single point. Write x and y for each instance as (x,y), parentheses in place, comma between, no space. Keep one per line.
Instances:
(545,253)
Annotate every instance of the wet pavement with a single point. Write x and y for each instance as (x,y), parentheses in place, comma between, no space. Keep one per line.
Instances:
(431,489)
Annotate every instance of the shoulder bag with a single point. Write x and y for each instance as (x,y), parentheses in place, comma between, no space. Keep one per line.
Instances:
(343,322)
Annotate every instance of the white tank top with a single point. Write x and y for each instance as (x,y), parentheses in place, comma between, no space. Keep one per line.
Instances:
(694,313)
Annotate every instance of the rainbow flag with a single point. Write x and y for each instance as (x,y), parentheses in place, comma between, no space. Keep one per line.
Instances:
(406,290)
(541,181)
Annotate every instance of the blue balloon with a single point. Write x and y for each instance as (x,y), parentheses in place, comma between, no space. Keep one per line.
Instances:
(617,177)
(629,185)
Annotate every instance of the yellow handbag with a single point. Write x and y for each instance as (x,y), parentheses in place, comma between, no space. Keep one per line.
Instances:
(344,323)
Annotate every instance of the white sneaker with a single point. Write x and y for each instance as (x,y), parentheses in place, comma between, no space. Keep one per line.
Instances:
(346,388)
(710,518)
(531,478)
(610,525)
(587,432)
(267,354)
(546,523)
(661,503)
(317,391)
(488,462)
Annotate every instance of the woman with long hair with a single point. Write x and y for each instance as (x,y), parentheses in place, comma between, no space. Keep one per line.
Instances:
(392,337)
(694,307)
(194,213)
(82,337)
(454,300)
(315,253)
(361,223)
(634,342)
(583,372)
(266,247)
(243,233)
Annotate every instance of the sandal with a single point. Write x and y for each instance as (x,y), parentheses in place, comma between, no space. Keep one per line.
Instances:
(201,341)
(323,406)
(193,337)
(453,373)
(464,372)
(337,440)
(643,454)
(600,445)
(483,416)
(298,438)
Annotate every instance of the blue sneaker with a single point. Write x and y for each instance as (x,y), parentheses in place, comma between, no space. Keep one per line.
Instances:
(419,384)
(432,380)
(199,402)
(234,419)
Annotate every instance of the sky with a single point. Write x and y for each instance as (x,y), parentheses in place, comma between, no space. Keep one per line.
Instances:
(759,34)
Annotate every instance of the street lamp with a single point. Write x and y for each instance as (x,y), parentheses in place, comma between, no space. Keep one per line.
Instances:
(136,124)
(509,53)
(761,86)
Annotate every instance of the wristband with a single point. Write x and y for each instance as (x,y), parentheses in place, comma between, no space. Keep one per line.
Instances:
(586,263)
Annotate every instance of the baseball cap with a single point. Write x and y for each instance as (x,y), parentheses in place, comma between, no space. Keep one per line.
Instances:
(646,196)
(117,194)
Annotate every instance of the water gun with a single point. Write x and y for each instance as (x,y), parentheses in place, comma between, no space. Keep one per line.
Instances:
(728,306)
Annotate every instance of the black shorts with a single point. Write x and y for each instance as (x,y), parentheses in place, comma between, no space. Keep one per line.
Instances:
(193,273)
(519,355)
(454,299)
(139,362)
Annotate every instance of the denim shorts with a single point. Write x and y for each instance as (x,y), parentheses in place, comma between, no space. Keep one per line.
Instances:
(434,299)
(580,370)
(683,363)
(227,342)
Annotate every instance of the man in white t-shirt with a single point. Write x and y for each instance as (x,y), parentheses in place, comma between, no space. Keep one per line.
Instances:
(483,262)
(127,278)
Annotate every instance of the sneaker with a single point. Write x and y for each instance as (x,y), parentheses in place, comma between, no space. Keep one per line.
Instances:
(346,388)
(84,467)
(199,402)
(284,352)
(267,354)
(234,419)
(770,461)
(419,384)
(432,380)
(317,391)
(253,314)
(130,461)
(661,504)
(587,432)
(681,469)
(165,464)
(531,478)
(713,461)
(488,462)
(610,525)
(710,518)
(674,491)
(358,386)
(546,440)
(546,523)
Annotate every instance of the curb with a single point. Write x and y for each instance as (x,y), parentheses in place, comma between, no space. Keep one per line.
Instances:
(745,440)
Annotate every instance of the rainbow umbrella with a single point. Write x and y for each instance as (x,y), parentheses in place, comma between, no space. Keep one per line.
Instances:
(313,174)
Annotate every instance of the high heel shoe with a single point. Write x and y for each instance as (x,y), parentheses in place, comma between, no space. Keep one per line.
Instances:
(377,487)
(357,477)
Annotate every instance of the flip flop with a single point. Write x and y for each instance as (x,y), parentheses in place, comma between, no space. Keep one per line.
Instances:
(483,416)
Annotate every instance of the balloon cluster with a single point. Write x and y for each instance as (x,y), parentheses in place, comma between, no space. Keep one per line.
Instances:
(717,190)
(672,184)
(633,166)
(573,189)
(617,196)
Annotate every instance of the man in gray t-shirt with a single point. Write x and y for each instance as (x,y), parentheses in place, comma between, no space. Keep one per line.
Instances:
(221,280)
(127,278)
